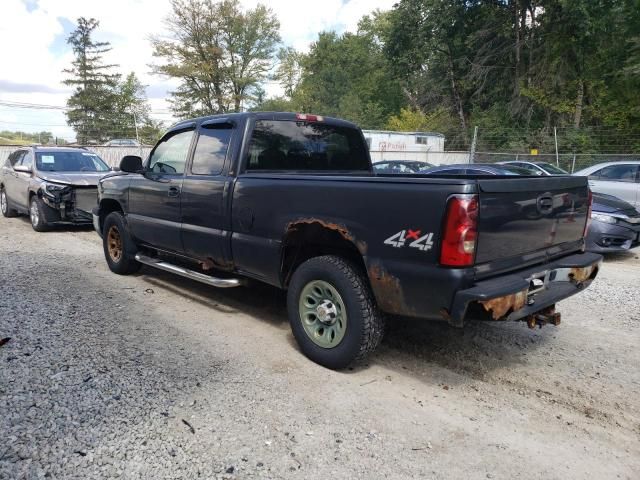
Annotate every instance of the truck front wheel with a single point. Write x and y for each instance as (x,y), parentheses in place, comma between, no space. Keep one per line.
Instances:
(332,312)
(119,247)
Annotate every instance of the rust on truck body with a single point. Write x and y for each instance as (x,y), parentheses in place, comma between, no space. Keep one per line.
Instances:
(501,306)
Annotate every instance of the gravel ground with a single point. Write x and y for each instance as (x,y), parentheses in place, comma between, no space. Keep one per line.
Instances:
(152,376)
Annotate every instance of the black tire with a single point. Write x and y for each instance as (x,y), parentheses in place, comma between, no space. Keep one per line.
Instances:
(38,214)
(365,322)
(5,205)
(120,258)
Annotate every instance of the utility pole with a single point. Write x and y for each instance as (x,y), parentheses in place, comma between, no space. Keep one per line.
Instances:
(472,152)
(135,123)
(555,137)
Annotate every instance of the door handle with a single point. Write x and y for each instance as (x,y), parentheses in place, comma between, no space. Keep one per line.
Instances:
(174,192)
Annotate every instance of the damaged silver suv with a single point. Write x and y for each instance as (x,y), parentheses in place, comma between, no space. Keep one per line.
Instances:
(53,185)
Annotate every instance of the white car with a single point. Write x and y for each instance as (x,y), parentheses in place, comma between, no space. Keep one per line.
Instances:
(537,168)
(620,179)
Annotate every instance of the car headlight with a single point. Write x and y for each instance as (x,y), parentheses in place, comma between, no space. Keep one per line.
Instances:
(601,217)
(54,189)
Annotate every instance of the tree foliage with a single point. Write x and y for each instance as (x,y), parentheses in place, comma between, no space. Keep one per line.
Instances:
(103,105)
(218,51)
(91,106)
(521,65)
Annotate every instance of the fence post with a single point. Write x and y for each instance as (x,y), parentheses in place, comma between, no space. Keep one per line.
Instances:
(472,152)
(573,164)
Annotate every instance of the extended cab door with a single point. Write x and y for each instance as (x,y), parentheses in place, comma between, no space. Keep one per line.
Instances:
(205,212)
(154,197)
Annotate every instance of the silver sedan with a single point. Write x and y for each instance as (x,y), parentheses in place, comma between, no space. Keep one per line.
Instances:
(620,179)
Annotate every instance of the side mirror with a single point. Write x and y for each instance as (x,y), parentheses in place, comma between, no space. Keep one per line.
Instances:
(131,164)
(22,169)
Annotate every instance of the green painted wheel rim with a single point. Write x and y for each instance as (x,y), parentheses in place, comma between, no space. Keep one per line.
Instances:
(322,313)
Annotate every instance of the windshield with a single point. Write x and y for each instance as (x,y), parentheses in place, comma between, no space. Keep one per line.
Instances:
(552,169)
(70,162)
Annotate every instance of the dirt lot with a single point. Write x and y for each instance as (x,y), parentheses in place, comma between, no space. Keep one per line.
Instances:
(153,376)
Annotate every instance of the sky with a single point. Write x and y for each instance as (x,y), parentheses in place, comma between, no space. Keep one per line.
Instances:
(33,44)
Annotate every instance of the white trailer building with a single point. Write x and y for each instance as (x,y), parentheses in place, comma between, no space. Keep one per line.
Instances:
(387,145)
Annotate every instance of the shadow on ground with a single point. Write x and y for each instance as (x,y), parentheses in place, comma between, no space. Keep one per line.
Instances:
(409,343)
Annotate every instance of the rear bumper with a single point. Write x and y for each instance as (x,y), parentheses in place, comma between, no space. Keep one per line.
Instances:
(519,295)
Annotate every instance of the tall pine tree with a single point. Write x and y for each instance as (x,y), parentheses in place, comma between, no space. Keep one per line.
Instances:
(92,104)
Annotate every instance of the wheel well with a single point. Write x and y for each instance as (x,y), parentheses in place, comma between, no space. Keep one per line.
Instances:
(108,206)
(310,240)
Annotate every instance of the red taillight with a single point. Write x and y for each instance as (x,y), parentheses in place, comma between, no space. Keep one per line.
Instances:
(460,236)
(309,118)
(586,224)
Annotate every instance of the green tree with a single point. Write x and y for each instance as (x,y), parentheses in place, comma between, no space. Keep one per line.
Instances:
(91,107)
(289,70)
(219,52)
(348,76)
(133,119)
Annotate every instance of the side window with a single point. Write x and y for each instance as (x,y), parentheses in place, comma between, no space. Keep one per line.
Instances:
(211,149)
(529,168)
(17,160)
(619,173)
(27,160)
(170,155)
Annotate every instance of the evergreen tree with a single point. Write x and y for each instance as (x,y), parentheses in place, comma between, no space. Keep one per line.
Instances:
(92,104)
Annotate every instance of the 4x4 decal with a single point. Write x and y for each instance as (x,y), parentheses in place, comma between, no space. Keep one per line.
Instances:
(419,241)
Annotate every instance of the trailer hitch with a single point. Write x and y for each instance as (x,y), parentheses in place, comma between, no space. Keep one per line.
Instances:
(548,315)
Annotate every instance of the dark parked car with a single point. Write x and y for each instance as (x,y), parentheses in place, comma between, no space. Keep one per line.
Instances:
(537,168)
(53,185)
(476,169)
(615,225)
(400,166)
(292,200)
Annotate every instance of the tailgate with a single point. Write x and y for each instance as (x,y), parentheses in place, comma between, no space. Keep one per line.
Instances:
(526,218)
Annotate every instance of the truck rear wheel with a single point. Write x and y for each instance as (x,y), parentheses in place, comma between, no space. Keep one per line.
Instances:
(332,312)
(119,248)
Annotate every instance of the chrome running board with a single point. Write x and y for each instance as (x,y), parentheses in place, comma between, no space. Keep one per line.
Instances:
(185,272)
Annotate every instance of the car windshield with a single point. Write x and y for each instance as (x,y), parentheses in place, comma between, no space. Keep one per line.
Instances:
(70,162)
(552,169)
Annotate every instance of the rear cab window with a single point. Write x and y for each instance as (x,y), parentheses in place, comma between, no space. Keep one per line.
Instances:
(296,145)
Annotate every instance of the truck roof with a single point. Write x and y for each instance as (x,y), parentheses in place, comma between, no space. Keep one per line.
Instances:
(290,116)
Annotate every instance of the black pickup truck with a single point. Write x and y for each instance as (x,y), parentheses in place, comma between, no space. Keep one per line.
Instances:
(292,200)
